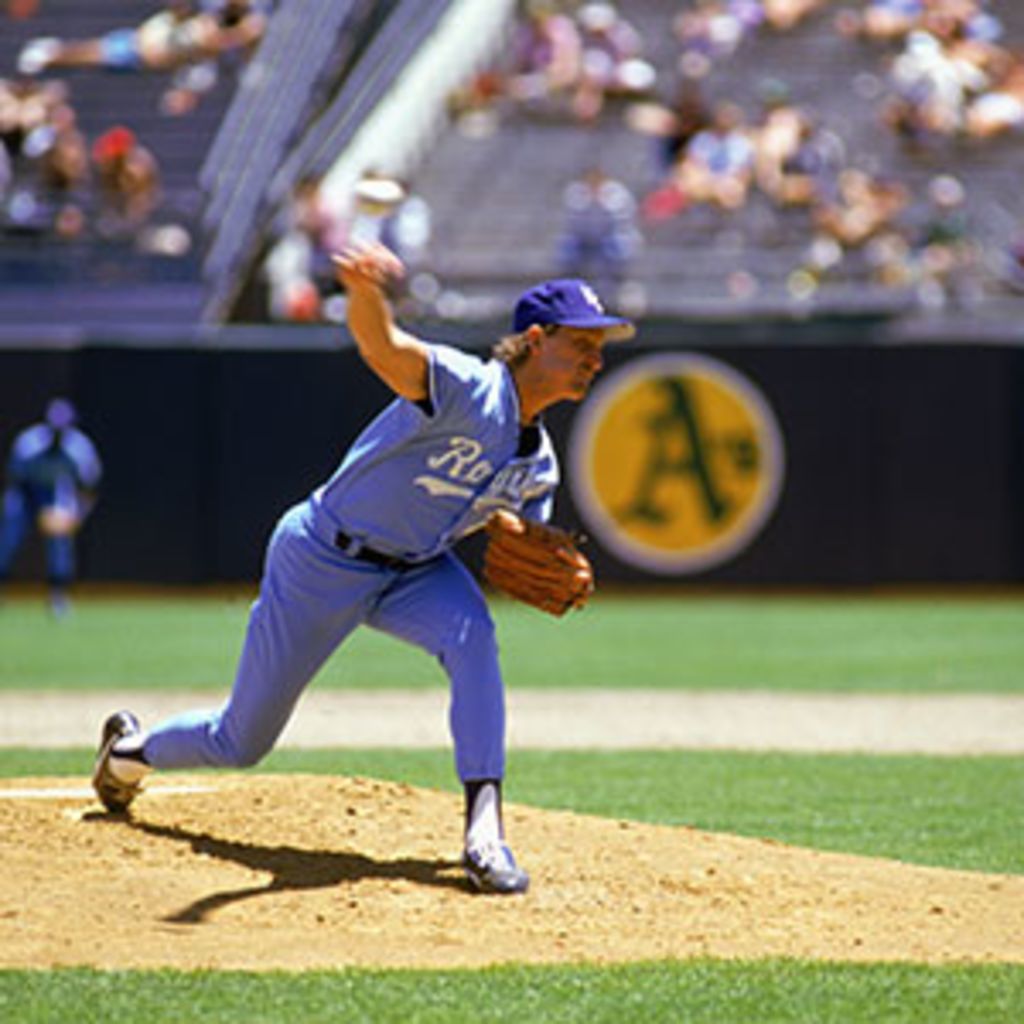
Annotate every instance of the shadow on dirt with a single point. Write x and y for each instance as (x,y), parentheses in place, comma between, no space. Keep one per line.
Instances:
(292,868)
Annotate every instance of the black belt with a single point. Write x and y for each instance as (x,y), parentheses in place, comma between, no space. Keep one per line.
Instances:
(352,548)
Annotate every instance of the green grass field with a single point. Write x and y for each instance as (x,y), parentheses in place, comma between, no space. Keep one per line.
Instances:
(955,812)
(865,644)
(699,992)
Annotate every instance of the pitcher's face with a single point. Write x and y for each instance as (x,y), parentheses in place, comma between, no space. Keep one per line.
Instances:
(570,358)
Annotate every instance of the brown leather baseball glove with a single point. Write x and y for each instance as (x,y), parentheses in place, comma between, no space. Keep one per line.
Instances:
(539,564)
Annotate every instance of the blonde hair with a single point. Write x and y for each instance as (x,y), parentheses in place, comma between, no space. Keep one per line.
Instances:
(514,349)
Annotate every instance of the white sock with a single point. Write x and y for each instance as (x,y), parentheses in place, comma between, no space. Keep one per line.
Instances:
(125,761)
(485,820)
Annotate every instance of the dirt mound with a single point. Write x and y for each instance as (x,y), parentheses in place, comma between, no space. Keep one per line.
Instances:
(293,872)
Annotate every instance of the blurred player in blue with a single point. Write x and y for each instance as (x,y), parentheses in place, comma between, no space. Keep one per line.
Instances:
(53,474)
(372,545)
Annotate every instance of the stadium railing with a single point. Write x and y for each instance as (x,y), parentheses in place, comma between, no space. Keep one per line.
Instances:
(392,85)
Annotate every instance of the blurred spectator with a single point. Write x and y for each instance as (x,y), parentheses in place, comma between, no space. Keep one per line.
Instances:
(34,116)
(883,20)
(248,18)
(806,177)
(299,268)
(671,126)
(982,25)
(783,15)
(932,85)
(864,207)
(777,135)
(298,263)
(241,25)
(946,256)
(718,165)
(473,104)
(53,476)
(962,47)
(175,38)
(999,110)
(547,56)
(560,63)
(711,31)
(25,107)
(128,183)
(895,20)
(967,18)
(63,171)
(293,296)
(20,10)
(612,60)
(599,236)
(163,41)
(890,21)
(863,218)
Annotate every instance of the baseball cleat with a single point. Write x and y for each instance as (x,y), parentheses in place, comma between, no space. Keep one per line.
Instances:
(114,794)
(492,868)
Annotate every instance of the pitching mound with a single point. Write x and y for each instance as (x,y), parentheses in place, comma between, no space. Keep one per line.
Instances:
(293,872)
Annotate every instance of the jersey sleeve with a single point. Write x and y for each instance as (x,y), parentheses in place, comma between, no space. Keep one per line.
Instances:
(28,445)
(83,454)
(457,381)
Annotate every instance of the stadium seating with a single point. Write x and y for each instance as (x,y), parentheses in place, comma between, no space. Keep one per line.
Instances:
(495,198)
(105,282)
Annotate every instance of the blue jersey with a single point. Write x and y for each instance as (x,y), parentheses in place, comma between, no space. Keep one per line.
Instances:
(423,475)
(52,467)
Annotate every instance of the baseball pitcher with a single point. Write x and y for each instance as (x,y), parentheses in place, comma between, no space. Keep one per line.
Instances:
(462,447)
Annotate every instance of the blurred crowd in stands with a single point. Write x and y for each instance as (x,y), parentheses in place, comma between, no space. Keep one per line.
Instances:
(299,272)
(767,165)
(942,75)
(56,182)
(952,75)
(563,59)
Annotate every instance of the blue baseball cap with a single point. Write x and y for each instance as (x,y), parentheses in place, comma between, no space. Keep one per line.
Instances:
(568,302)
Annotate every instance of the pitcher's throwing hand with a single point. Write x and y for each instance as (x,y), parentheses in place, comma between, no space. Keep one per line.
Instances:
(367,263)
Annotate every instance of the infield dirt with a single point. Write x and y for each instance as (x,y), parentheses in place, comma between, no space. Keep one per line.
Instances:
(295,872)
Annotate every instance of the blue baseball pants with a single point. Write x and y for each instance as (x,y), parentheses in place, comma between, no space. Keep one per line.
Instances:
(311,598)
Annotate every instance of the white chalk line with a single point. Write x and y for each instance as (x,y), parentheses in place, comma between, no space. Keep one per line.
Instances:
(87,793)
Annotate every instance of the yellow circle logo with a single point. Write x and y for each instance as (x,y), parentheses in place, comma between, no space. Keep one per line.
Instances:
(677,462)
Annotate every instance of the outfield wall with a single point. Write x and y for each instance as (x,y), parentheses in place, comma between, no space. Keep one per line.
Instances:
(785,455)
